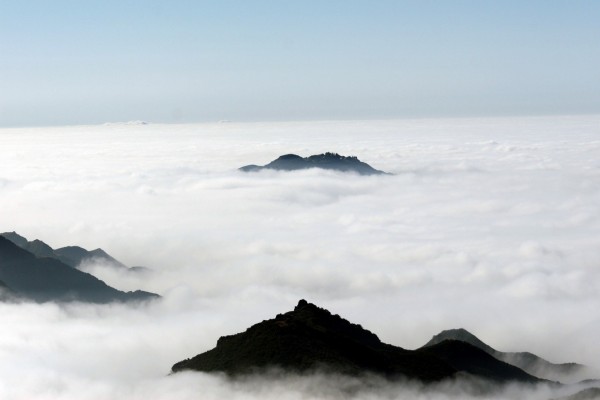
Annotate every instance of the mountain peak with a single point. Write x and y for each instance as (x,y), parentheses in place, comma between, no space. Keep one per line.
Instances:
(288,157)
(15,238)
(329,161)
(311,337)
(40,249)
(301,304)
(460,334)
(526,361)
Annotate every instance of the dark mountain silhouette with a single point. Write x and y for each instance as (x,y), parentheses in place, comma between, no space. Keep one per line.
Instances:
(311,337)
(528,362)
(40,249)
(468,358)
(462,335)
(16,239)
(36,247)
(48,279)
(331,161)
(73,256)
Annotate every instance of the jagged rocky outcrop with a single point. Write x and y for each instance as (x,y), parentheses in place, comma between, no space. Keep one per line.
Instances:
(330,161)
(526,361)
(310,337)
(44,279)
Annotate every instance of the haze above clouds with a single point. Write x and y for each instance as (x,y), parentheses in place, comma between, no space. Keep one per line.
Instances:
(67,62)
(487,224)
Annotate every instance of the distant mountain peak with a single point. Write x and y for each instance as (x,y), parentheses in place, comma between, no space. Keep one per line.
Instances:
(462,335)
(40,249)
(527,361)
(329,161)
(102,254)
(289,157)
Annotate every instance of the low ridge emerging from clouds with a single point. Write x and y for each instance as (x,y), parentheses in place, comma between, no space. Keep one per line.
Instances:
(327,161)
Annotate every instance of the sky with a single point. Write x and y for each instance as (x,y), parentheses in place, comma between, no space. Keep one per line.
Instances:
(489,224)
(73,62)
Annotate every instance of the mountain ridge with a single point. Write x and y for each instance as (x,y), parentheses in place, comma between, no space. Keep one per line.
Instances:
(526,361)
(73,256)
(328,161)
(310,337)
(43,279)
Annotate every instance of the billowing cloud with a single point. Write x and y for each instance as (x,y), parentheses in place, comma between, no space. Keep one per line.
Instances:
(487,224)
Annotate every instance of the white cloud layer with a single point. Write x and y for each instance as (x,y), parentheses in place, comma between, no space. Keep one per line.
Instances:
(488,224)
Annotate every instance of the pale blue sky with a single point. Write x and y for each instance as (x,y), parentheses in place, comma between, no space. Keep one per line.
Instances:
(72,62)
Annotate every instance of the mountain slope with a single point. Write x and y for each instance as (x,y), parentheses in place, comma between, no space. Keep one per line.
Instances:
(75,255)
(70,255)
(468,358)
(48,279)
(6,293)
(35,247)
(311,337)
(526,361)
(330,161)
(16,239)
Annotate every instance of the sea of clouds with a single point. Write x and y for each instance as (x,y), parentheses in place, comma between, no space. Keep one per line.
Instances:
(488,224)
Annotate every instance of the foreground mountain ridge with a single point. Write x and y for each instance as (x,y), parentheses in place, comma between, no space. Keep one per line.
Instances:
(310,337)
(329,161)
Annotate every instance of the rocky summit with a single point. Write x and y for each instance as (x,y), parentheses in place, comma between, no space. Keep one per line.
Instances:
(329,161)
(310,337)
